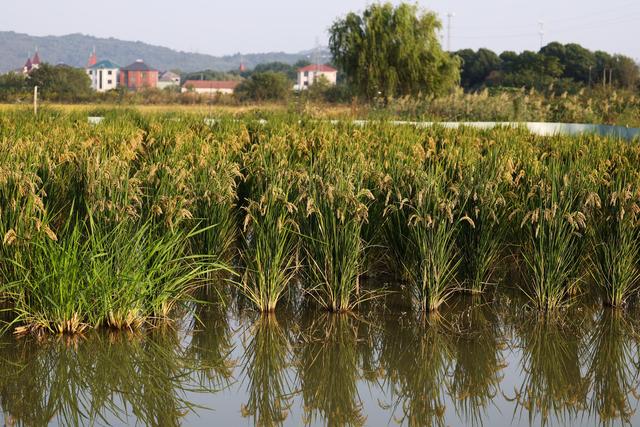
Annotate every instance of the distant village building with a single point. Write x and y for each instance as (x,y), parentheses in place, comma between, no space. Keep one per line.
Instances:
(168,79)
(138,75)
(210,86)
(307,75)
(31,64)
(103,75)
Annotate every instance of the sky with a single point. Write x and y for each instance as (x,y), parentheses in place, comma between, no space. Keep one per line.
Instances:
(227,27)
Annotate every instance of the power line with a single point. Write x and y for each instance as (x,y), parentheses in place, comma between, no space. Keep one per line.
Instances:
(634,8)
(584,26)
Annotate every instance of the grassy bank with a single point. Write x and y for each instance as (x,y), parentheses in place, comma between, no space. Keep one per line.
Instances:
(116,224)
(594,106)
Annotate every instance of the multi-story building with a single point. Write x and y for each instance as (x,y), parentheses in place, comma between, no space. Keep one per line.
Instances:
(138,76)
(103,75)
(307,75)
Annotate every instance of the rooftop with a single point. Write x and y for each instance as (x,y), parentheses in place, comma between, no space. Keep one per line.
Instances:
(318,67)
(104,64)
(211,84)
(139,65)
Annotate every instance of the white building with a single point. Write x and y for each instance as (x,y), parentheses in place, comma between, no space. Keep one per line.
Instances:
(307,75)
(168,79)
(103,75)
(210,86)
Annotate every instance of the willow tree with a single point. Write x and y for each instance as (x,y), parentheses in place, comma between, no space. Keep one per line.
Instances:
(393,51)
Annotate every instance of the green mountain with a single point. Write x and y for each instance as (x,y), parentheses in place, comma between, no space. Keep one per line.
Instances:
(74,50)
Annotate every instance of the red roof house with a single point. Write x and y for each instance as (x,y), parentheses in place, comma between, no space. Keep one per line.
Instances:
(307,75)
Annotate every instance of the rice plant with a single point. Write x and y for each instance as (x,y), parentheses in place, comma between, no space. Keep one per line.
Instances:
(615,241)
(333,244)
(332,208)
(126,277)
(482,234)
(422,235)
(270,252)
(554,227)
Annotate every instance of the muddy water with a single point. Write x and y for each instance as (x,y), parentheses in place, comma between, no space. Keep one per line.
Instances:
(479,363)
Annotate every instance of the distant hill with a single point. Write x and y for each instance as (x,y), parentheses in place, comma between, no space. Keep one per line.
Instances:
(74,50)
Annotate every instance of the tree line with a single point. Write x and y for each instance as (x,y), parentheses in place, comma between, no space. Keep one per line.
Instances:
(565,67)
(385,52)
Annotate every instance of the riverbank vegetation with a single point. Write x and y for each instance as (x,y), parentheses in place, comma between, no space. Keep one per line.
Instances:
(117,224)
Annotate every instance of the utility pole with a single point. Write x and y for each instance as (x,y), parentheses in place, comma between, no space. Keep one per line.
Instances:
(590,67)
(610,77)
(35,100)
(450,16)
(541,33)
(604,78)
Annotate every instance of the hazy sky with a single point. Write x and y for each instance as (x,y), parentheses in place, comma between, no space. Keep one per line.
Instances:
(226,27)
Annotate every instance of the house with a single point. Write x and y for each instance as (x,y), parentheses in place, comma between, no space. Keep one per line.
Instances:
(103,75)
(210,86)
(32,63)
(307,75)
(168,79)
(138,75)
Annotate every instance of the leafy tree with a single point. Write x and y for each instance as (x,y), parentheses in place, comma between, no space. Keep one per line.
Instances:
(265,86)
(12,85)
(392,51)
(575,59)
(61,83)
(279,67)
(626,72)
(477,66)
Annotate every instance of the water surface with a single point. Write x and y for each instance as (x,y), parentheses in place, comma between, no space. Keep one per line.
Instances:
(479,363)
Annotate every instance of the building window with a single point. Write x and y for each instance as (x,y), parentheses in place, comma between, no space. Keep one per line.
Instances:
(109,82)
(90,73)
(306,74)
(109,72)
(306,83)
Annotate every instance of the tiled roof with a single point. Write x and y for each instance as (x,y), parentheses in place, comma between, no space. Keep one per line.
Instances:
(36,59)
(139,65)
(318,67)
(104,64)
(169,76)
(211,84)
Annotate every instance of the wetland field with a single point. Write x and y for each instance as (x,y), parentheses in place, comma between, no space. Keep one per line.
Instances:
(164,268)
